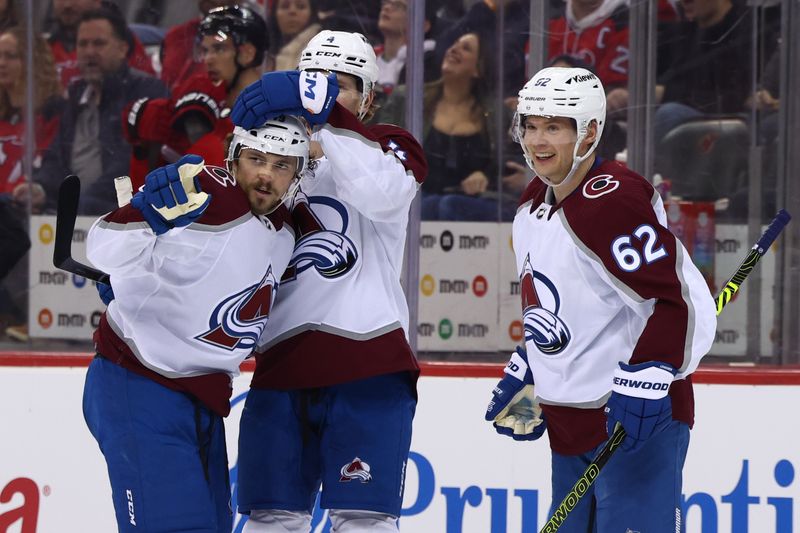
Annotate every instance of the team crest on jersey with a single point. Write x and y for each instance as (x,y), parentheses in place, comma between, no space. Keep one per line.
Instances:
(323,243)
(355,469)
(237,322)
(540,318)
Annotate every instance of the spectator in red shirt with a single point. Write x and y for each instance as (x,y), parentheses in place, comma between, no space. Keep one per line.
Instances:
(178,61)
(47,103)
(232,41)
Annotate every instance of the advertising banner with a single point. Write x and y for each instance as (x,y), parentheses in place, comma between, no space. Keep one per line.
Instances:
(740,474)
(61,305)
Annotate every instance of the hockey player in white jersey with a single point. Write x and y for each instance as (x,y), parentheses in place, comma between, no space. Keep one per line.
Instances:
(188,309)
(616,317)
(334,391)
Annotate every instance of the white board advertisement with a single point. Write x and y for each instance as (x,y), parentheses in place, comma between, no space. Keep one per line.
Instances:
(740,474)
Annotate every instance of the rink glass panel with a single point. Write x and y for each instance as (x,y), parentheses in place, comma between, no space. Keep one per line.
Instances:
(723,177)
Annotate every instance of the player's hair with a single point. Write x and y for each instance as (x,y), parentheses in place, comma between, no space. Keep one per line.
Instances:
(118,25)
(45,77)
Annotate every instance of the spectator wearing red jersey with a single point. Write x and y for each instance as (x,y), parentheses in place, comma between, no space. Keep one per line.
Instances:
(232,41)
(63,37)
(178,61)
(47,104)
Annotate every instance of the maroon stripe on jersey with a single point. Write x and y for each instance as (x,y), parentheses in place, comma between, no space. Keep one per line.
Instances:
(390,137)
(212,390)
(124,215)
(575,431)
(535,192)
(318,359)
(598,221)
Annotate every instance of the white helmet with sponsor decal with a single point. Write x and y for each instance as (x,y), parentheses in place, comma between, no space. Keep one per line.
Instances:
(345,52)
(285,135)
(573,93)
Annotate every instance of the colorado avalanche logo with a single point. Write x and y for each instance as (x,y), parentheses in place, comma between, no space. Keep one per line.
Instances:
(322,246)
(355,469)
(542,327)
(237,322)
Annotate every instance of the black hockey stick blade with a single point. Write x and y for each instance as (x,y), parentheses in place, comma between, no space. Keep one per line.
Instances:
(69,194)
(581,486)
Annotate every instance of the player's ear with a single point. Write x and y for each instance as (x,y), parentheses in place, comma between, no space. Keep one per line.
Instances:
(591,134)
(247,54)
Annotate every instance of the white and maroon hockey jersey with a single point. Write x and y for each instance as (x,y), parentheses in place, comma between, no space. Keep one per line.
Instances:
(341,314)
(188,308)
(603,280)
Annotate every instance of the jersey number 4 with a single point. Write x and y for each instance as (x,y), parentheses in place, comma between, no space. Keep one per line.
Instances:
(628,256)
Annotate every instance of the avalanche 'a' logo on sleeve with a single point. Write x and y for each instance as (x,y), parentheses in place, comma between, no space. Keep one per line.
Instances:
(323,243)
(237,322)
(542,326)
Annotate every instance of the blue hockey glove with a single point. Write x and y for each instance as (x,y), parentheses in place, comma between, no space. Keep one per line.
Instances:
(106,292)
(172,196)
(310,95)
(640,401)
(513,409)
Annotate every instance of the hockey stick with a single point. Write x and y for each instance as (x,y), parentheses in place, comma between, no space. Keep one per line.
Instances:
(69,193)
(588,477)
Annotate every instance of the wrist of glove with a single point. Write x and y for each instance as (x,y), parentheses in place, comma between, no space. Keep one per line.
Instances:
(105,292)
(513,409)
(172,196)
(310,95)
(640,401)
(200,97)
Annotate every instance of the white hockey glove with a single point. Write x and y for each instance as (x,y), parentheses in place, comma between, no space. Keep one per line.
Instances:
(513,409)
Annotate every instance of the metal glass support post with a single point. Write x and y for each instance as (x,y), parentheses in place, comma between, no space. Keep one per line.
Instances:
(414,81)
(641,86)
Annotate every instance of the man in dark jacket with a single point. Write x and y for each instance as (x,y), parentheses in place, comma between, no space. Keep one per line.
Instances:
(89,142)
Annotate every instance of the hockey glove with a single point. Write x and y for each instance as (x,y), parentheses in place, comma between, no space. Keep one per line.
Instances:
(640,401)
(106,292)
(147,120)
(172,196)
(310,95)
(200,97)
(513,409)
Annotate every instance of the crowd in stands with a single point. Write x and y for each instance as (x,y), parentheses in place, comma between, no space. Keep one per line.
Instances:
(110,102)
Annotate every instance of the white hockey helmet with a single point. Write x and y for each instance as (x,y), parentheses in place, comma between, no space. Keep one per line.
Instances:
(573,93)
(345,52)
(285,135)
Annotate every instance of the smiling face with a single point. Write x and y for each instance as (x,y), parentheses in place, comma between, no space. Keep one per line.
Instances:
(550,143)
(99,50)
(264,178)
(292,16)
(11,65)
(461,59)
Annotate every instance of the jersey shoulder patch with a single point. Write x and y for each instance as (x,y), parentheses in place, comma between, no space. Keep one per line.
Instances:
(404,146)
